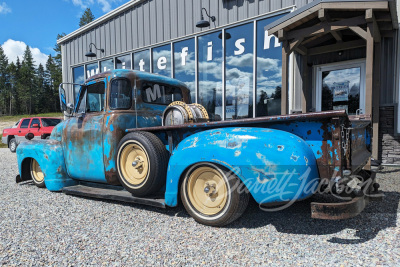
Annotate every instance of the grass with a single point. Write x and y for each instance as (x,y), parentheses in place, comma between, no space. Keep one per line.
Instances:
(15,118)
(1,144)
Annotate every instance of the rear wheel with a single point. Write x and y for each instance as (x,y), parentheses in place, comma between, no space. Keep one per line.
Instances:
(212,195)
(12,145)
(142,163)
(37,174)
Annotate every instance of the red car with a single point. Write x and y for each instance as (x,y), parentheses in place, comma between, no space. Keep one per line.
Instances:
(41,128)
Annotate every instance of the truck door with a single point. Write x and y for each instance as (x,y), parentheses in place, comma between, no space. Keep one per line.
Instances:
(23,130)
(34,128)
(83,135)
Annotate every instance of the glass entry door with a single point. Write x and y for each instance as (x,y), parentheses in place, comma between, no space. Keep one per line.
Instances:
(341,86)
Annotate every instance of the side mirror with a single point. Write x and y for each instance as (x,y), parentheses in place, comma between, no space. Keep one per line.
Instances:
(35,125)
(63,103)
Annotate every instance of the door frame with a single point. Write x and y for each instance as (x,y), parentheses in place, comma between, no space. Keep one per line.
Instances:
(317,81)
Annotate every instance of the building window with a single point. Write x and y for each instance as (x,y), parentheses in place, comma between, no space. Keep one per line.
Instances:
(160,94)
(341,86)
(210,74)
(269,67)
(79,78)
(239,72)
(184,64)
(142,61)
(92,69)
(124,62)
(106,65)
(162,60)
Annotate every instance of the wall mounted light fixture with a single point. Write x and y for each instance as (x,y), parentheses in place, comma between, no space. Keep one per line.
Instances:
(90,53)
(204,23)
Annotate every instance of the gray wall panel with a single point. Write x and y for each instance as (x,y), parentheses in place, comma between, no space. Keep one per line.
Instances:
(174,18)
(388,71)
(160,18)
(129,37)
(146,23)
(181,18)
(135,28)
(166,20)
(98,39)
(153,22)
(188,14)
(139,27)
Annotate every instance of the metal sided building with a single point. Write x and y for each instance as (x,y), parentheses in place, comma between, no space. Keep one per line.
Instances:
(251,58)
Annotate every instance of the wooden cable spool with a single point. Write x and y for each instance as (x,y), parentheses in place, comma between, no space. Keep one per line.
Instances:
(179,112)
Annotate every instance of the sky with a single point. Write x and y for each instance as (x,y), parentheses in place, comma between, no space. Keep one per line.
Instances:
(36,23)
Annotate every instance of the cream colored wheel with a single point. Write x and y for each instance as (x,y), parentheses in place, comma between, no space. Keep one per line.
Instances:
(37,174)
(135,164)
(142,163)
(207,190)
(213,195)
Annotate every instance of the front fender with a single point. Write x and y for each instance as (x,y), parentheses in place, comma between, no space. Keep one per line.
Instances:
(275,166)
(49,154)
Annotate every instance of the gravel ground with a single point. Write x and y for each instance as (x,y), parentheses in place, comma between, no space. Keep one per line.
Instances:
(38,227)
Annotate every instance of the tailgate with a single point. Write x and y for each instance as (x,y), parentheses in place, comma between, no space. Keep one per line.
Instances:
(358,137)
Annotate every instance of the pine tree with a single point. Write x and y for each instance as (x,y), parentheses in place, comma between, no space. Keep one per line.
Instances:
(27,81)
(86,17)
(40,96)
(12,71)
(4,82)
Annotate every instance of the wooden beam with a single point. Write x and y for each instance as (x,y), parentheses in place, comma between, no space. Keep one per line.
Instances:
(285,78)
(337,36)
(304,77)
(359,31)
(369,69)
(376,101)
(301,50)
(381,5)
(326,27)
(323,15)
(336,47)
(294,44)
(281,35)
(370,18)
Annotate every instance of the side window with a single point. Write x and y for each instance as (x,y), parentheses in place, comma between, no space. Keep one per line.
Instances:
(121,94)
(35,121)
(160,94)
(25,123)
(95,97)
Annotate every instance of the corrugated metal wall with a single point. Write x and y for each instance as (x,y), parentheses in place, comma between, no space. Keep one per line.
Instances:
(155,21)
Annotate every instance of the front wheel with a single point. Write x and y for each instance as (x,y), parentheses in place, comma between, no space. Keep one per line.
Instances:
(37,174)
(12,145)
(212,195)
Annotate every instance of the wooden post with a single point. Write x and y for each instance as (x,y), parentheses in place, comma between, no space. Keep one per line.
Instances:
(369,69)
(285,78)
(304,94)
(375,101)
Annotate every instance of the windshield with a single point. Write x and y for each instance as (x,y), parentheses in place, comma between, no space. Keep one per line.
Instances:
(50,122)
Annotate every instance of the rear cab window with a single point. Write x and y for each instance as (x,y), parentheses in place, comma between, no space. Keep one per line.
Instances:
(120,94)
(161,94)
(25,123)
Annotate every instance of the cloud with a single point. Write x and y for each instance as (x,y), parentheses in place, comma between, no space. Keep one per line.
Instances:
(106,5)
(14,49)
(4,9)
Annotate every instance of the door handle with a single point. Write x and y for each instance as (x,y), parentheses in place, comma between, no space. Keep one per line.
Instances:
(19,131)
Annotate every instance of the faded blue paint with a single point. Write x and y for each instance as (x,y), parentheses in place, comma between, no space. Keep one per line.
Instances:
(270,173)
(49,154)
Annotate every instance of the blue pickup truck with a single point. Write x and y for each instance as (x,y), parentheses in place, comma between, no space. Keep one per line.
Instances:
(136,137)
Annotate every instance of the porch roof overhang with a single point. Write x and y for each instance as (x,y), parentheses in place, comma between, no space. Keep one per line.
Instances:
(326,26)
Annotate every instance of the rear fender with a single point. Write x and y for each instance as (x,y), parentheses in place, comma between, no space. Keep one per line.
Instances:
(50,156)
(274,165)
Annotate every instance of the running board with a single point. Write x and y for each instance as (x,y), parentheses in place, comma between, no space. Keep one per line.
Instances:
(112,193)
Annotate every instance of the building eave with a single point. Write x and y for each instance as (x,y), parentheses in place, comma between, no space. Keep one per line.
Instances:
(99,21)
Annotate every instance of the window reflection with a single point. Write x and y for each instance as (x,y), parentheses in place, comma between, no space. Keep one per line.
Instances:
(79,78)
(269,67)
(341,90)
(210,74)
(124,62)
(162,60)
(142,61)
(106,65)
(92,69)
(239,72)
(184,64)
